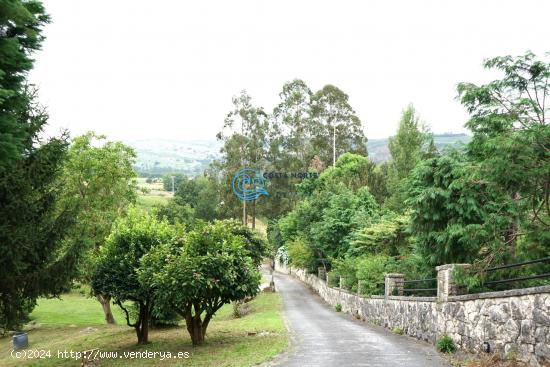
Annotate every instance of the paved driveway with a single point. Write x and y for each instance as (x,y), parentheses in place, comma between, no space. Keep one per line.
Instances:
(324,337)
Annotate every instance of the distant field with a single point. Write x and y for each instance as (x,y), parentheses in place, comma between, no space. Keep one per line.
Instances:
(151,194)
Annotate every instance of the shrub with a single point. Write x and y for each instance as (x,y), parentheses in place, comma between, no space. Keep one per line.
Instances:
(370,270)
(338,307)
(347,269)
(397,330)
(300,254)
(446,344)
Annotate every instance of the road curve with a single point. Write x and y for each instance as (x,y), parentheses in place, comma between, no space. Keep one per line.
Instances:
(324,337)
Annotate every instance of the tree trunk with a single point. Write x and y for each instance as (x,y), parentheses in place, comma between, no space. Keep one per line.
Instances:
(254,214)
(195,329)
(244,214)
(142,326)
(511,234)
(106,304)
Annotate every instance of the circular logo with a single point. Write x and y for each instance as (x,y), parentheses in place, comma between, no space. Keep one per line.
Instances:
(249,184)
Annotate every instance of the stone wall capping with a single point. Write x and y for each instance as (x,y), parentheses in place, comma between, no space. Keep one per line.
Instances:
(501,294)
(451,266)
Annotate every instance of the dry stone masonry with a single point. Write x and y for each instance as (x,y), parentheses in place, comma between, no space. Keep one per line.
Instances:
(514,323)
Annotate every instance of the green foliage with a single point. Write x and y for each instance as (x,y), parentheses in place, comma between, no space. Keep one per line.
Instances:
(196,276)
(397,330)
(330,110)
(300,254)
(178,178)
(387,234)
(347,269)
(338,307)
(175,211)
(117,267)
(98,178)
(21,25)
(274,235)
(455,213)
(253,242)
(371,270)
(446,344)
(406,149)
(34,261)
(330,211)
(510,122)
(201,194)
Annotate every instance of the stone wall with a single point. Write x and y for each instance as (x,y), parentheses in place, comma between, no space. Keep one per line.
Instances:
(514,323)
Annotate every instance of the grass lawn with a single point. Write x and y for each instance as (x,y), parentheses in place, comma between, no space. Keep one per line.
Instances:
(152,195)
(76,323)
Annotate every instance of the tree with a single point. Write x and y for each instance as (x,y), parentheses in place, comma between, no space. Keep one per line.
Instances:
(201,194)
(293,114)
(99,179)
(20,35)
(245,133)
(511,139)
(175,211)
(171,181)
(406,151)
(332,207)
(457,215)
(34,260)
(117,268)
(336,127)
(209,268)
(385,235)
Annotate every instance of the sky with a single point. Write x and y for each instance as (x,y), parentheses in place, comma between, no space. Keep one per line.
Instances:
(167,69)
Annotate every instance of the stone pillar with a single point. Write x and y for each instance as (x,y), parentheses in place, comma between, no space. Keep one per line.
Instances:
(393,284)
(359,287)
(322,273)
(341,285)
(446,285)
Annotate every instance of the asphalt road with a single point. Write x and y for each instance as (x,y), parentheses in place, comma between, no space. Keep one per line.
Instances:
(323,337)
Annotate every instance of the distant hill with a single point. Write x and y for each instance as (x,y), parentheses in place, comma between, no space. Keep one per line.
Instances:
(379,152)
(159,156)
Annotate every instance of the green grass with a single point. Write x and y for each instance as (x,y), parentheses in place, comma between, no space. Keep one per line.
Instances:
(148,201)
(228,342)
(71,309)
(151,194)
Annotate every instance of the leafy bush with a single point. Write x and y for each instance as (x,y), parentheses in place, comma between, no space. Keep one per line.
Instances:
(300,254)
(338,307)
(387,235)
(446,344)
(397,330)
(370,271)
(347,269)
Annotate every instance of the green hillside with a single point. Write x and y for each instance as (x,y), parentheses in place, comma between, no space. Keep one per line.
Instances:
(379,152)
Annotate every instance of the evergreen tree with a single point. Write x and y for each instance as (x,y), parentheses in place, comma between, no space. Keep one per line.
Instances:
(34,262)
(406,151)
(20,36)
